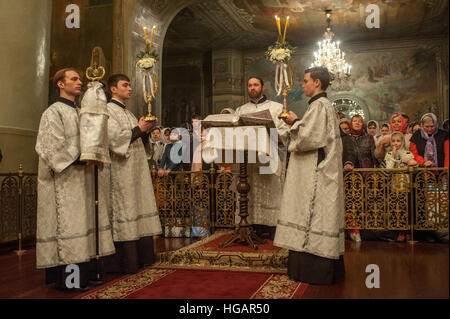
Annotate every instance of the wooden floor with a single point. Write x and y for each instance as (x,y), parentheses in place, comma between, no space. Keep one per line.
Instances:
(406,271)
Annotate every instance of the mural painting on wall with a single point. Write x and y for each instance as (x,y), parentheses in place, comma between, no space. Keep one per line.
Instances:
(383,82)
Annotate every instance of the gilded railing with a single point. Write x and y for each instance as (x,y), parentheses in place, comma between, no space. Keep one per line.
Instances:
(374,199)
(392,198)
(18,206)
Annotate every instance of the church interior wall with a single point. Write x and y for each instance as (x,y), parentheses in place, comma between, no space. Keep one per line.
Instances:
(24,68)
(387,76)
(407,75)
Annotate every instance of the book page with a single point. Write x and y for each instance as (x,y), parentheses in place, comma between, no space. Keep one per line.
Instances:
(258,118)
(216,120)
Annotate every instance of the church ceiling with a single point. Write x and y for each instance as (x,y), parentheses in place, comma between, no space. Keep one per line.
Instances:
(247,24)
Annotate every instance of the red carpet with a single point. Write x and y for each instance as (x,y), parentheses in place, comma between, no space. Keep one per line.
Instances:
(207,255)
(154,283)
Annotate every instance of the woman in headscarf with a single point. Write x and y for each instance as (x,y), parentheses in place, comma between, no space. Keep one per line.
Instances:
(344,124)
(364,146)
(165,135)
(385,130)
(398,124)
(363,142)
(373,128)
(429,145)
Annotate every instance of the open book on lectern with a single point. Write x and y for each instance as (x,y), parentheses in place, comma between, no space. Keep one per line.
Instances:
(250,119)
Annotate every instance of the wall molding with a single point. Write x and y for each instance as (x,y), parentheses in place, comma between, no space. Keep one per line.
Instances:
(8,130)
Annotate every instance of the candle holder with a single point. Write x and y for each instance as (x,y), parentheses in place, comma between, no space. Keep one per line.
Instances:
(146,62)
(280,53)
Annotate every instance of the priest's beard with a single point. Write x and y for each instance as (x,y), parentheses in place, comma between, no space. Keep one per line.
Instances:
(255,95)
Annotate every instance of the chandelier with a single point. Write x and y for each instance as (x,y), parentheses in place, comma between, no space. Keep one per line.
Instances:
(330,55)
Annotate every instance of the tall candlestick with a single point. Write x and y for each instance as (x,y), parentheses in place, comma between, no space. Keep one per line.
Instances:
(285,29)
(151,40)
(145,34)
(278,25)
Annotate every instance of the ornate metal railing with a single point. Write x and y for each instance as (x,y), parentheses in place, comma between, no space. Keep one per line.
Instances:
(200,198)
(18,206)
(374,199)
(392,198)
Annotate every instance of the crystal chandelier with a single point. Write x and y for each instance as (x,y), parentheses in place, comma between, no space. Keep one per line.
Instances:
(330,55)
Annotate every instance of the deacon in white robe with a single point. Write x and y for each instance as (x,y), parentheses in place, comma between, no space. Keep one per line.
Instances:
(132,205)
(311,223)
(265,189)
(65,214)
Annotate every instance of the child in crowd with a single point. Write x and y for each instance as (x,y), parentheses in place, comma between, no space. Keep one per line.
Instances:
(399,157)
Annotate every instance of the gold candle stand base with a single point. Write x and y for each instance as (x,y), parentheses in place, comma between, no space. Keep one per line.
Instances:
(20,252)
(283,115)
(150,118)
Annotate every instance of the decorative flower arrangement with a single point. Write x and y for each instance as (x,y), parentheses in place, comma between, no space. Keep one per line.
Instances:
(146,60)
(280,52)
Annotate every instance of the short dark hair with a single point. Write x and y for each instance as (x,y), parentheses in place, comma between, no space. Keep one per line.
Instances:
(61,75)
(258,78)
(320,73)
(196,116)
(115,78)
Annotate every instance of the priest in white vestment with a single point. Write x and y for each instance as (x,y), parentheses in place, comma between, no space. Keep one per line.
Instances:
(128,185)
(265,189)
(311,223)
(65,214)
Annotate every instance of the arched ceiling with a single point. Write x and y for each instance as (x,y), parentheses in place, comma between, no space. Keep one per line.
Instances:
(248,24)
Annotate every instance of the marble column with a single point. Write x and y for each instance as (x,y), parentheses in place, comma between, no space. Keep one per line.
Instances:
(24,69)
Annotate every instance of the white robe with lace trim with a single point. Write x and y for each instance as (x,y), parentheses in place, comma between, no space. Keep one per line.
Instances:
(266,189)
(65,213)
(312,210)
(127,183)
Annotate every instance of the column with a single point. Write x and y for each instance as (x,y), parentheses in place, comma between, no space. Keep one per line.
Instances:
(24,68)
(227,76)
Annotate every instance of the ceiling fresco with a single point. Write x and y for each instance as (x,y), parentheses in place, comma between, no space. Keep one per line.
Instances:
(247,24)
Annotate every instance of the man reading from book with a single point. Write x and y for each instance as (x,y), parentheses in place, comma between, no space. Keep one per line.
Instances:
(266,189)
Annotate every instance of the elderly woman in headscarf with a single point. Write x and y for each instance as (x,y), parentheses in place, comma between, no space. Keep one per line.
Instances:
(429,145)
(363,142)
(398,124)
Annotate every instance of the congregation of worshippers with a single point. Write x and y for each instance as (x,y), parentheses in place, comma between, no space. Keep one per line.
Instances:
(316,150)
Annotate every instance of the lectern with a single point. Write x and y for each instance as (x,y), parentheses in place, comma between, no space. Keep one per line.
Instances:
(234,144)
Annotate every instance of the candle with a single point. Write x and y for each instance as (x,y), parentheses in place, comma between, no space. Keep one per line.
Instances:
(151,40)
(145,34)
(285,29)
(278,25)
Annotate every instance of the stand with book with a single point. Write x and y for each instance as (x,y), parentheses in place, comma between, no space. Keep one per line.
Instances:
(244,232)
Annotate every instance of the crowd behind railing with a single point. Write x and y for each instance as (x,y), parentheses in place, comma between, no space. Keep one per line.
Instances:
(395,183)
